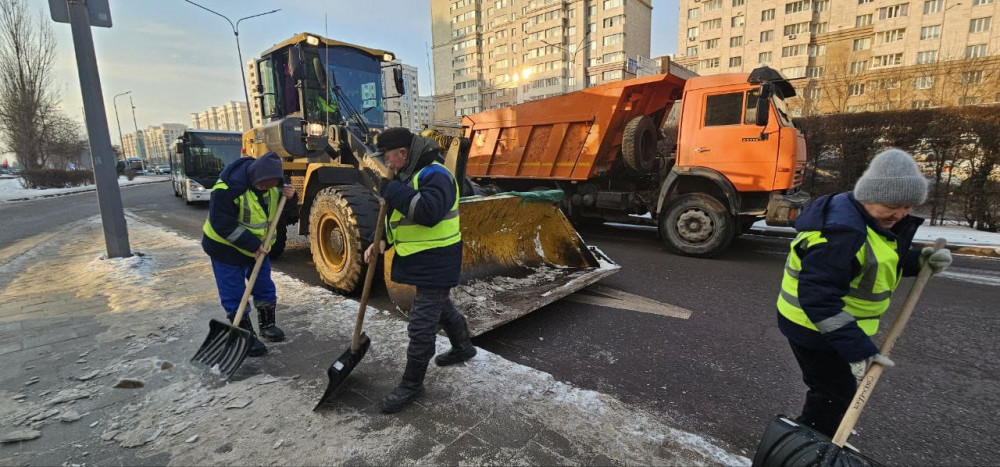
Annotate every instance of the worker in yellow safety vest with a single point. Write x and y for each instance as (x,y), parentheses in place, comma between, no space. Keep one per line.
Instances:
(851,250)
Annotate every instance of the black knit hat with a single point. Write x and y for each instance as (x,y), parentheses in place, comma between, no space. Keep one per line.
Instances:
(266,167)
(393,138)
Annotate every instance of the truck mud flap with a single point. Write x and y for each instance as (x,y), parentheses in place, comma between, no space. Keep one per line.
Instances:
(517,257)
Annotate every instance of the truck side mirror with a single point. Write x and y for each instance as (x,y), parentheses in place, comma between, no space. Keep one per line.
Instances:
(295,62)
(320,72)
(764,105)
(397,78)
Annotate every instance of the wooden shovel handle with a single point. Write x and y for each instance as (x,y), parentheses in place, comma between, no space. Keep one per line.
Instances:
(366,290)
(867,384)
(273,227)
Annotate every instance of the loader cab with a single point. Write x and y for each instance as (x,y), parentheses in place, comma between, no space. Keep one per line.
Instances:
(324,82)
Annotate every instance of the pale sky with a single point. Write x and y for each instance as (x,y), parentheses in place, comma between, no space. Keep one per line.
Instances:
(177,58)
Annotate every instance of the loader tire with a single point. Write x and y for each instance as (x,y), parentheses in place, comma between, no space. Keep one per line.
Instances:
(639,144)
(341,222)
(696,224)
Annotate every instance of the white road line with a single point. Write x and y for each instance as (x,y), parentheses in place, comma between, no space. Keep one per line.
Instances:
(975,276)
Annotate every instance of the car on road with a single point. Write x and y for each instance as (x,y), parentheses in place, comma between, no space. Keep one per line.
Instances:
(161,169)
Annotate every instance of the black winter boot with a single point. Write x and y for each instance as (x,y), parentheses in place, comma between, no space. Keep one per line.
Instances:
(409,389)
(461,348)
(257,348)
(265,317)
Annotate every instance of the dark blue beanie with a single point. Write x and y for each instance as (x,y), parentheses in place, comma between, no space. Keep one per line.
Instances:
(266,167)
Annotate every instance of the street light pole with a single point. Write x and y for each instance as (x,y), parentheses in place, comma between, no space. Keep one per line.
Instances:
(140,154)
(236,32)
(121,142)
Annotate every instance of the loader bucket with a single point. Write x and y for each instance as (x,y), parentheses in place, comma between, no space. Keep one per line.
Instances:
(517,257)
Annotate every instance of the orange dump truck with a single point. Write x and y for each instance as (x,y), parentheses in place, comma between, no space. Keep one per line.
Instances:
(737,158)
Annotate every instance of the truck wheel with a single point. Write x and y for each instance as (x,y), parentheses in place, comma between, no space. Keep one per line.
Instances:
(696,224)
(639,144)
(341,221)
(280,239)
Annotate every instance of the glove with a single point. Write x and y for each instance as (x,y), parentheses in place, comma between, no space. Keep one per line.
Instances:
(859,368)
(938,260)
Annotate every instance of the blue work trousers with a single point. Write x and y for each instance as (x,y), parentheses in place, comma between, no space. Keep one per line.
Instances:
(231,281)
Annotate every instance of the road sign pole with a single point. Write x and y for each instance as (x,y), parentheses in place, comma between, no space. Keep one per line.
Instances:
(105,173)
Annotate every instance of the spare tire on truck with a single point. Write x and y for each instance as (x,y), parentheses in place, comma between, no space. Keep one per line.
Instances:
(639,144)
(341,223)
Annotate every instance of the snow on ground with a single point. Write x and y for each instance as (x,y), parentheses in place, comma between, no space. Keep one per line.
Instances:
(954,234)
(11,189)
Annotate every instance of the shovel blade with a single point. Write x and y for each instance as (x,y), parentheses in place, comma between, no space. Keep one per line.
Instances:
(787,443)
(340,369)
(226,346)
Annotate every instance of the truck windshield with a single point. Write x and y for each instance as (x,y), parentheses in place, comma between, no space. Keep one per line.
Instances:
(359,78)
(206,154)
(779,105)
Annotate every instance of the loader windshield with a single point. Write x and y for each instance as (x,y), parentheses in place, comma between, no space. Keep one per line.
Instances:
(352,91)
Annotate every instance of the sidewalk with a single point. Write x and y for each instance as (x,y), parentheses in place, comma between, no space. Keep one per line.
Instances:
(72,326)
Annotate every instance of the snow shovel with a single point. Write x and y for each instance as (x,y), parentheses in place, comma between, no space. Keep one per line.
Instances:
(227,345)
(787,443)
(360,342)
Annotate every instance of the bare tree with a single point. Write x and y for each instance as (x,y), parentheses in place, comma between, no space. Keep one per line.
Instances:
(27,102)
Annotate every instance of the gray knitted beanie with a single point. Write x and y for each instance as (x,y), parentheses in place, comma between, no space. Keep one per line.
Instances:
(892,178)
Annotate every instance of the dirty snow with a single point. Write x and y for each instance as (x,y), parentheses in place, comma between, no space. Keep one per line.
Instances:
(11,189)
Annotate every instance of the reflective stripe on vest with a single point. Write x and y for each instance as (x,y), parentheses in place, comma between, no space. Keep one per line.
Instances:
(410,237)
(252,217)
(869,293)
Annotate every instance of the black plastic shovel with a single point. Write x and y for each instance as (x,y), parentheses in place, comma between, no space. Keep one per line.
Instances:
(227,345)
(787,443)
(360,342)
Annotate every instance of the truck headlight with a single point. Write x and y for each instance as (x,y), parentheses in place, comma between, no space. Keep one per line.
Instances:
(315,129)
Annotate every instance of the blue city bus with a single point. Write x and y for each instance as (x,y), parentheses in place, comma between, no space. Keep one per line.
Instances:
(198,158)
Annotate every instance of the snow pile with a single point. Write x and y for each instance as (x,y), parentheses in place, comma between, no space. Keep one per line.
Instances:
(11,189)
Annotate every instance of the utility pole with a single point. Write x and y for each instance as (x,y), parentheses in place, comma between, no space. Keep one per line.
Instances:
(140,150)
(80,14)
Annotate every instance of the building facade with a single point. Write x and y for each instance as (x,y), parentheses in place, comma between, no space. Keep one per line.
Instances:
(494,53)
(133,145)
(409,114)
(159,141)
(852,55)
(232,116)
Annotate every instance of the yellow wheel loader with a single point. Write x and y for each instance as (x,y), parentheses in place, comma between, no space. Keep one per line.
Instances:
(321,106)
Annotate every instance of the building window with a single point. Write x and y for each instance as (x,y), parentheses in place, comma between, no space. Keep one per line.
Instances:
(972,77)
(614,21)
(920,104)
(795,7)
(794,72)
(692,50)
(820,6)
(736,41)
(895,11)
(930,32)
(764,57)
(735,61)
(724,109)
(923,82)
(609,4)
(980,25)
(814,72)
(928,56)
(863,21)
(814,93)
(856,89)
(612,75)
(819,28)
(968,100)
(981,2)
(796,28)
(975,51)
(613,39)
(738,2)
(710,44)
(881,61)
(710,63)
(793,50)
(712,5)
(864,43)
(861,2)
(933,6)
(712,24)
(694,13)
(767,15)
(693,33)
(817,50)
(737,21)
(858,67)
(767,36)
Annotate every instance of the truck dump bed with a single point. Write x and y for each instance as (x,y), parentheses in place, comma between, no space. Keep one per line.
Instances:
(575,136)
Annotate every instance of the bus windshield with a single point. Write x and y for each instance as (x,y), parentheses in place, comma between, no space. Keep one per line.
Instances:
(206,154)
(359,78)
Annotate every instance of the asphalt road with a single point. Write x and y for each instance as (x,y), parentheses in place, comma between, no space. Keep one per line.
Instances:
(726,370)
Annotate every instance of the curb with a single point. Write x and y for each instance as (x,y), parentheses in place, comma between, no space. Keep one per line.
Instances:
(958,249)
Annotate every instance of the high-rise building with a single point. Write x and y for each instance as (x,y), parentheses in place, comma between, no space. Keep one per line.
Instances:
(232,116)
(406,105)
(494,53)
(159,141)
(133,145)
(852,55)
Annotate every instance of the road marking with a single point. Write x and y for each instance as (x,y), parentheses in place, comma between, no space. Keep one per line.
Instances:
(613,298)
(975,276)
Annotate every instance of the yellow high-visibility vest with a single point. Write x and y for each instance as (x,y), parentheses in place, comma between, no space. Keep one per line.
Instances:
(410,237)
(252,217)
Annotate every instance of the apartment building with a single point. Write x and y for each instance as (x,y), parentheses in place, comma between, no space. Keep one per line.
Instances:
(852,55)
(159,141)
(232,116)
(494,53)
(133,145)
(408,110)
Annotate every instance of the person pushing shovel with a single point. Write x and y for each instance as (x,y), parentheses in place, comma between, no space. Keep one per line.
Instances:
(850,252)
(243,203)
(423,224)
